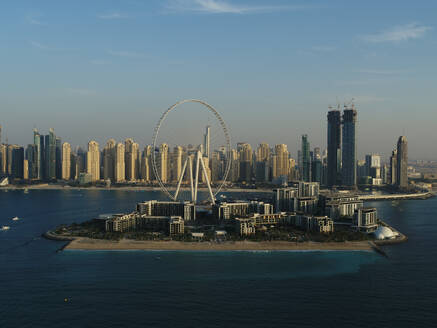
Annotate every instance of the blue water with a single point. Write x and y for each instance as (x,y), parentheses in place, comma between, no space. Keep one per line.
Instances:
(207,289)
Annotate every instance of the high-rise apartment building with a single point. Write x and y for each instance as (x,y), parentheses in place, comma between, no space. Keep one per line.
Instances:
(109,160)
(393,167)
(66,161)
(38,141)
(30,156)
(176,163)
(373,166)
(349,153)
(146,164)
(207,142)
(245,157)
(50,155)
(280,161)
(305,170)
(234,173)
(334,148)
(119,164)
(16,161)
(93,160)
(131,159)
(262,167)
(163,163)
(402,163)
(3,159)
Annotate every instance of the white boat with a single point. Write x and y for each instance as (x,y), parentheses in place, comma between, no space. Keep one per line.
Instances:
(15,218)
(5,227)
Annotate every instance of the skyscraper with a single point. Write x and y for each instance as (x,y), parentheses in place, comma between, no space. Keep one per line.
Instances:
(245,156)
(163,163)
(349,153)
(66,161)
(207,142)
(58,158)
(93,160)
(281,163)
(119,164)
(334,148)
(131,149)
(3,159)
(176,163)
(306,159)
(402,163)
(38,141)
(16,161)
(146,164)
(50,155)
(109,160)
(393,166)
(262,166)
(31,152)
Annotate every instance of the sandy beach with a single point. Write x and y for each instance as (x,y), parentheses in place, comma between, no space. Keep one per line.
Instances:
(94,244)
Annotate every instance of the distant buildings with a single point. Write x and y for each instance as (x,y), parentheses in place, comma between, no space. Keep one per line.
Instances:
(306,159)
(402,163)
(66,161)
(349,149)
(93,161)
(334,148)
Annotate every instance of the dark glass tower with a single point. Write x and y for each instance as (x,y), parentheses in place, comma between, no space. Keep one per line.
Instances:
(334,148)
(38,141)
(50,155)
(349,152)
(306,159)
(402,163)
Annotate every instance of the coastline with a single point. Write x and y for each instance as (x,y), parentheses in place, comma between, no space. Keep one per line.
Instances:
(124,188)
(82,243)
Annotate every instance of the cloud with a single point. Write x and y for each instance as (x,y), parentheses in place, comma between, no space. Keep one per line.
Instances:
(126,54)
(222,7)
(38,45)
(114,15)
(80,92)
(398,33)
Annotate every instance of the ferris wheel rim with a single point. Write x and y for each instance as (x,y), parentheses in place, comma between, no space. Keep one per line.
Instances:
(224,128)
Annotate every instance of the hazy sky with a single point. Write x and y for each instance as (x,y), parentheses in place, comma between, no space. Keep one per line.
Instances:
(100,69)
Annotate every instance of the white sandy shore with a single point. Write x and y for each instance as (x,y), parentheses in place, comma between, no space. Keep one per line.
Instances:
(125,244)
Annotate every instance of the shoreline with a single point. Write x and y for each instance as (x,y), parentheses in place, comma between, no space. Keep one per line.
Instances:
(365,197)
(83,243)
(124,188)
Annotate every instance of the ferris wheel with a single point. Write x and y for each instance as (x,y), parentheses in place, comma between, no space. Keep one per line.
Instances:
(189,164)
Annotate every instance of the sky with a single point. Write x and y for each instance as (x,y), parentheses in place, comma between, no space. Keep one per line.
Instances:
(109,69)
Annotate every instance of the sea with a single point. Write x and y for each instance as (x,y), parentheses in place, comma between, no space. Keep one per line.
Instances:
(40,287)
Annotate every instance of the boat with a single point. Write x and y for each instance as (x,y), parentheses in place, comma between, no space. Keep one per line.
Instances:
(5,227)
(15,218)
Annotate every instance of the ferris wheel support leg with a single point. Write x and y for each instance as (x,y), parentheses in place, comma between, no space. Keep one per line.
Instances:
(199,155)
(180,179)
(207,181)
(191,178)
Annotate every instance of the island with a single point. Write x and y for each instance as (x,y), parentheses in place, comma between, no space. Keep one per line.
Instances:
(292,218)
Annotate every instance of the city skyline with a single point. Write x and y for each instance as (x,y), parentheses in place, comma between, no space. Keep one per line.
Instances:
(270,74)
